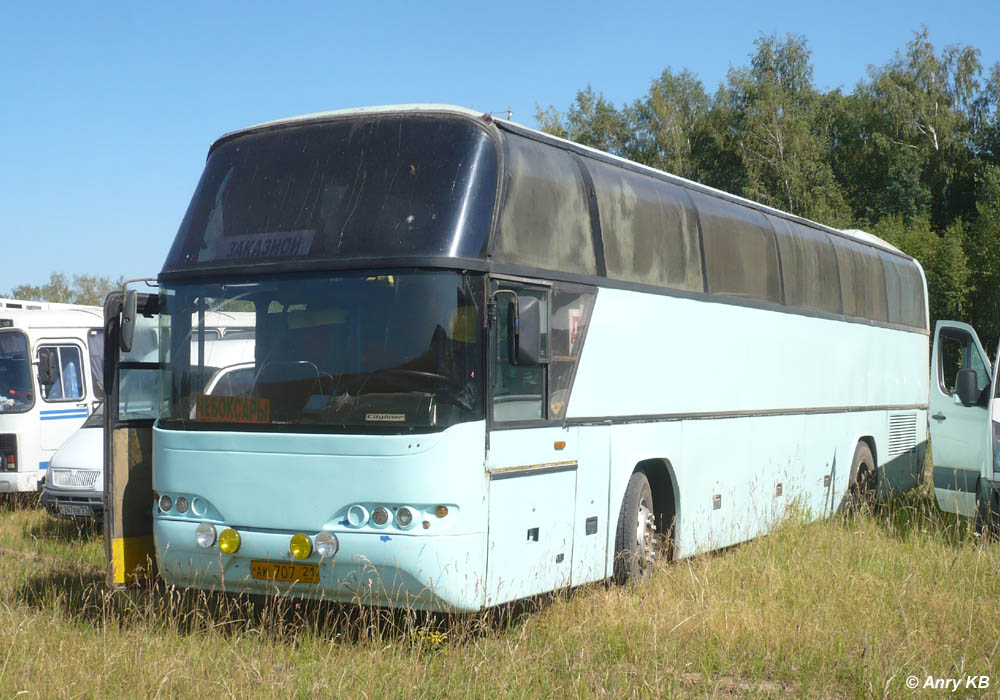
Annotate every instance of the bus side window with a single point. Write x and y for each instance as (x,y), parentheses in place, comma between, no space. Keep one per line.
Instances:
(520,391)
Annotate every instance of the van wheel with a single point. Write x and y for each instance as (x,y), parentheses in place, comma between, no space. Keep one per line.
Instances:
(860,497)
(635,539)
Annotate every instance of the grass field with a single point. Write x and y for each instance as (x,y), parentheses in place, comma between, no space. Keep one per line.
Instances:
(844,608)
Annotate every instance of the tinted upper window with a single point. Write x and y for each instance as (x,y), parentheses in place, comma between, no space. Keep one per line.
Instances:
(546,216)
(649,227)
(862,280)
(808,266)
(368,187)
(740,254)
(904,292)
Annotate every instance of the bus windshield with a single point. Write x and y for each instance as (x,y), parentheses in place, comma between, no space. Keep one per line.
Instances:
(16,392)
(368,351)
(365,187)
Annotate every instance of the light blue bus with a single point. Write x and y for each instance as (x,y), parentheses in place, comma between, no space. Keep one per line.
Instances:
(490,363)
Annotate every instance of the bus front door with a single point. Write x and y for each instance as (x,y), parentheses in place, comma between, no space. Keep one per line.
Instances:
(132,402)
(959,421)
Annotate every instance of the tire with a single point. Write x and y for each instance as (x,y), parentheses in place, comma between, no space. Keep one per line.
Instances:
(860,496)
(635,538)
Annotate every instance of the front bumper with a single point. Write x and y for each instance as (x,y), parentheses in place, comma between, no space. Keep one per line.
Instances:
(77,501)
(15,482)
(439,572)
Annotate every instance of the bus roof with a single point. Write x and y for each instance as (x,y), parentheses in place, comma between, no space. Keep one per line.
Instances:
(433,108)
(43,314)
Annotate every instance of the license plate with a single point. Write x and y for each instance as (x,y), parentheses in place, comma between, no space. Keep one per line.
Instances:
(79,511)
(287,573)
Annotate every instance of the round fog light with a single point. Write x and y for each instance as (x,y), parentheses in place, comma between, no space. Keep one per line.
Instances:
(380,516)
(357,516)
(181,504)
(229,540)
(205,534)
(327,544)
(404,517)
(300,546)
(166,503)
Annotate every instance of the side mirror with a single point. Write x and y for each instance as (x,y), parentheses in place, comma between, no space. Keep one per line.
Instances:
(46,368)
(525,331)
(128,321)
(967,387)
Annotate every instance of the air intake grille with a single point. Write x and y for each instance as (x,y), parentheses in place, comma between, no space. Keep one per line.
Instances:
(73,478)
(902,433)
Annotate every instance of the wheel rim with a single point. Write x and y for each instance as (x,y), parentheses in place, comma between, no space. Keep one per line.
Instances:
(645,535)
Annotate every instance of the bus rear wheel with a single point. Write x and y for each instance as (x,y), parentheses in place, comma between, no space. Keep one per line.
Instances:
(860,496)
(635,539)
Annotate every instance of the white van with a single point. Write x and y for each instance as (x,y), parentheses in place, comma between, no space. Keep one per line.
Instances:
(51,378)
(75,486)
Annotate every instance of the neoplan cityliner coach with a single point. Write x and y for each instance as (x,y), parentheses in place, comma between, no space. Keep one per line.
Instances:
(491,363)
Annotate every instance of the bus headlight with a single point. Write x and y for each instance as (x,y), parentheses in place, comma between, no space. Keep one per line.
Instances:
(205,534)
(182,504)
(229,540)
(357,516)
(166,503)
(300,546)
(380,516)
(404,517)
(327,544)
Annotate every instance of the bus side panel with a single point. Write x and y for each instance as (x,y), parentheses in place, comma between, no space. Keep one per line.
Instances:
(656,355)
(532,511)
(741,400)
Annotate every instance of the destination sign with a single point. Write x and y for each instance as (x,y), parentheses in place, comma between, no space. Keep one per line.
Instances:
(232,409)
(260,246)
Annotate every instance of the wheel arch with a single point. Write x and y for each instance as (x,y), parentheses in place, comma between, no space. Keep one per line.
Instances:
(662,479)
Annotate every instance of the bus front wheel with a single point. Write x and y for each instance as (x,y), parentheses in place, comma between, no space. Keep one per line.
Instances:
(635,539)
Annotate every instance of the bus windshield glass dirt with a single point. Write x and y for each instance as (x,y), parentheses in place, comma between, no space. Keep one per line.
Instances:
(371,351)
(373,187)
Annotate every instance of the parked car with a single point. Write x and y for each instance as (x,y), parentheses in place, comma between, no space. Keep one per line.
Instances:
(74,484)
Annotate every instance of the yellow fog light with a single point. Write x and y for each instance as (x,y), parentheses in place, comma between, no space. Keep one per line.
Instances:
(229,540)
(301,546)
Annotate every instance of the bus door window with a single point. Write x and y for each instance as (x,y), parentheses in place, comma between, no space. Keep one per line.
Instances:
(520,391)
(958,353)
(67,377)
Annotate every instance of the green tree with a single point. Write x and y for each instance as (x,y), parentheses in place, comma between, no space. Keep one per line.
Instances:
(84,289)
(773,120)
(984,254)
(666,124)
(910,128)
(942,256)
(591,120)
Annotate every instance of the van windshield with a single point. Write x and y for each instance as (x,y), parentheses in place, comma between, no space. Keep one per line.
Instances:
(365,351)
(16,390)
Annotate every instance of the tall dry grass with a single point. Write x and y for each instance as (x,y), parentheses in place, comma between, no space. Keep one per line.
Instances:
(843,608)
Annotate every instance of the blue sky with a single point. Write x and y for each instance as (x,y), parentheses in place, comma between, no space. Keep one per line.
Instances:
(108,108)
